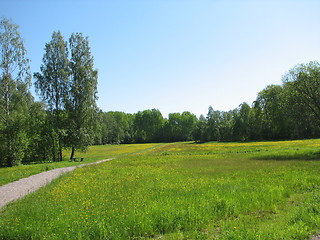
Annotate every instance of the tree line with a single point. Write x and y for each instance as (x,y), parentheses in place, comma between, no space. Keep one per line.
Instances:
(287,111)
(67,115)
(280,112)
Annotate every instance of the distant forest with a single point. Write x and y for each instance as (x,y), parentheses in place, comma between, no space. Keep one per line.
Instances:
(67,116)
(287,111)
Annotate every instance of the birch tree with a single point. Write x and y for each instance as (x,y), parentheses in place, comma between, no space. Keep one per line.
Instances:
(81,105)
(15,81)
(53,85)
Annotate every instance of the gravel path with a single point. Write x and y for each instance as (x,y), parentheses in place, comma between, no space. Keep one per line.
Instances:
(317,237)
(18,189)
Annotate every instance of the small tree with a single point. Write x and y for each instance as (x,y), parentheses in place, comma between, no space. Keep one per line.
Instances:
(14,94)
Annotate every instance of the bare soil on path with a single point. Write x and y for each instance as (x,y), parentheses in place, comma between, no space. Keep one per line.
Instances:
(18,189)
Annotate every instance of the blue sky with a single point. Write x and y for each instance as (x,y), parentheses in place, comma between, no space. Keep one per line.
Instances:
(177,55)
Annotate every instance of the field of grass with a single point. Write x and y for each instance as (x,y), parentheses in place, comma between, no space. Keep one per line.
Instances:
(93,154)
(258,190)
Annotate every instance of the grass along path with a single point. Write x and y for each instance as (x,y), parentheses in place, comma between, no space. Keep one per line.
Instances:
(94,154)
(18,189)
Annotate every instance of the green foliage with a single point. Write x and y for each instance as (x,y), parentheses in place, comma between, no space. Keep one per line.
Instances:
(213,122)
(180,127)
(69,88)
(116,127)
(301,85)
(14,94)
(81,99)
(271,101)
(43,145)
(53,85)
(199,132)
(304,81)
(14,64)
(15,142)
(148,126)
(241,129)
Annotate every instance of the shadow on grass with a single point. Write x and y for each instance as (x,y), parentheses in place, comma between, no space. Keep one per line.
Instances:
(306,156)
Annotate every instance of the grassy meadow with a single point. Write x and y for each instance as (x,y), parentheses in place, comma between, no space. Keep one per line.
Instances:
(93,154)
(255,190)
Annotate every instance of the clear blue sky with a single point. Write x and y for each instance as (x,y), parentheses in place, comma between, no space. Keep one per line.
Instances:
(177,55)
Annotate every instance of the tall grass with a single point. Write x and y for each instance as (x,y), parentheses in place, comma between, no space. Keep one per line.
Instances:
(177,191)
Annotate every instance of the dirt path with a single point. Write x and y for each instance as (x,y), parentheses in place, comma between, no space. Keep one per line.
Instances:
(18,189)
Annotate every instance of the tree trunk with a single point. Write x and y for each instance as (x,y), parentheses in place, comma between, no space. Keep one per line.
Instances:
(7,97)
(7,113)
(53,150)
(72,153)
(60,150)
(9,151)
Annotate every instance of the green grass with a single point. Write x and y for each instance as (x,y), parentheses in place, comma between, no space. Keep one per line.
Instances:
(180,191)
(94,153)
